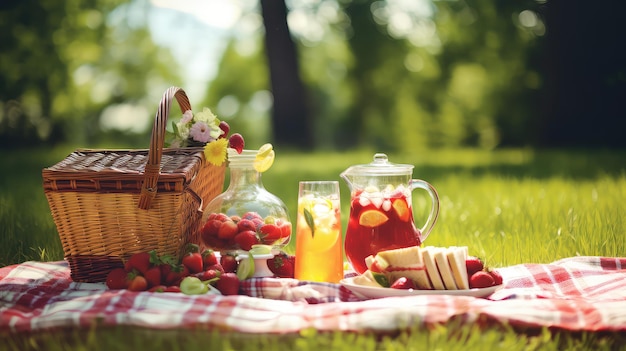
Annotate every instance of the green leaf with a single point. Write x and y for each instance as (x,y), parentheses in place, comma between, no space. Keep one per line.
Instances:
(310,221)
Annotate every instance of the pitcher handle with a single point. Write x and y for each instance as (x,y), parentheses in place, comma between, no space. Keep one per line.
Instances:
(434,210)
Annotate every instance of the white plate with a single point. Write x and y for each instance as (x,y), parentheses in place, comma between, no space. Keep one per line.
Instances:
(373,292)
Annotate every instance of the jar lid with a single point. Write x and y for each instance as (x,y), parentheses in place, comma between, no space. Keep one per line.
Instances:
(380,166)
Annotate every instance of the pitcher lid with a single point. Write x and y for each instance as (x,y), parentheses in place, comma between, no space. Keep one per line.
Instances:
(380,166)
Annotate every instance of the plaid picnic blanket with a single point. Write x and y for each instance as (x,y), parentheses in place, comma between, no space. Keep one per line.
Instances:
(578,293)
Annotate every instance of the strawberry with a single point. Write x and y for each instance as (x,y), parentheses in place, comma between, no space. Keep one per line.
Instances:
(229,263)
(246,239)
(172,288)
(137,282)
(209,274)
(222,217)
(153,276)
(403,283)
(282,265)
(258,223)
(173,273)
(225,129)
(210,229)
(208,258)
(214,242)
(473,265)
(193,261)
(228,284)
(251,216)
(245,224)
(116,279)
(269,233)
(481,279)
(285,229)
(158,288)
(138,261)
(228,230)
(236,142)
(497,277)
(216,267)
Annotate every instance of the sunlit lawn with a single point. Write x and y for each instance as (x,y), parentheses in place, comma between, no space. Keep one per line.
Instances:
(509,207)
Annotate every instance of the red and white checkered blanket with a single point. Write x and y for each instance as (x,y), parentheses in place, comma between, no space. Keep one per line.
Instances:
(579,293)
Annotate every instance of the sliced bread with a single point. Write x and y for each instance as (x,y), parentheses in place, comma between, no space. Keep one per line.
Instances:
(456,258)
(441,259)
(428,254)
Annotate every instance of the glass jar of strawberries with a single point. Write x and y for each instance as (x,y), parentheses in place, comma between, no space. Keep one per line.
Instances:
(246,214)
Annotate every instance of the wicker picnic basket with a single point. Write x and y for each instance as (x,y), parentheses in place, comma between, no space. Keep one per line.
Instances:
(109,204)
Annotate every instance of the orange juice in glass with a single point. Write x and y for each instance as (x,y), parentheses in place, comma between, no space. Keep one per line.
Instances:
(318,232)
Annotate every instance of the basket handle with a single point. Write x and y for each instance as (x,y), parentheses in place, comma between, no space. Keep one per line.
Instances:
(157,142)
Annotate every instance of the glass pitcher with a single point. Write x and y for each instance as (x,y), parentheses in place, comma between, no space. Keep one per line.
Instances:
(381,213)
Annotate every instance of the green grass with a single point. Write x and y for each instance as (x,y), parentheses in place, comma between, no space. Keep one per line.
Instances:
(440,337)
(507,206)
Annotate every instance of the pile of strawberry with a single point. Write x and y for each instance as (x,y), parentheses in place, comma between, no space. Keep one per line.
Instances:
(190,274)
(224,232)
(479,275)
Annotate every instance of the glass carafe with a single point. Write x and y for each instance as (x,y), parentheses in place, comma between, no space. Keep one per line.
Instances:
(246,213)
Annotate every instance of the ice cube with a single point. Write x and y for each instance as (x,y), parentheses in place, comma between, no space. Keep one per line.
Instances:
(364,201)
(377,200)
(387,205)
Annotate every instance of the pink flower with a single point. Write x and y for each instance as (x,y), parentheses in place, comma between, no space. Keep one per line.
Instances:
(187,117)
(200,132)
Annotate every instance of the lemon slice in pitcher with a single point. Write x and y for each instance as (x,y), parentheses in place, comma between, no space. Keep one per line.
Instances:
(372,218)
(264,158)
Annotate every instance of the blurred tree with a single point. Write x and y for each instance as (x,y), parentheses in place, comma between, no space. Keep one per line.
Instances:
(404,76)
(489,84)
(64,62)
(290,122)
(377,70)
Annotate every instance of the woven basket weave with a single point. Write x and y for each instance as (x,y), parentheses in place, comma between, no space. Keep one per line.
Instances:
(109,204)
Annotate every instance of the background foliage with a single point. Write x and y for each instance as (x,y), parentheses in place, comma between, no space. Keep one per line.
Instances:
(399,75)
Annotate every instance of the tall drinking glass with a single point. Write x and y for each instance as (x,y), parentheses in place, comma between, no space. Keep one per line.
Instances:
(318,232)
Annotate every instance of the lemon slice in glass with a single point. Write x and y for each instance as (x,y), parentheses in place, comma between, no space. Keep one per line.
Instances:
(264,158)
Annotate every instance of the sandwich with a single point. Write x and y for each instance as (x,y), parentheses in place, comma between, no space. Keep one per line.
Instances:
(429,267)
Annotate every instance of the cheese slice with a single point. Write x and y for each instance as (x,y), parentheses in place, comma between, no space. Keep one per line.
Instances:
(456,258)
(428,253)
(441,258)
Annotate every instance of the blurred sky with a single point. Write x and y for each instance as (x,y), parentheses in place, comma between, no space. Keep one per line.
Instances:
(196,31)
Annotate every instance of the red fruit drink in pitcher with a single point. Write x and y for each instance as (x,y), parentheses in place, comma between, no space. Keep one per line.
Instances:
(379,221)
